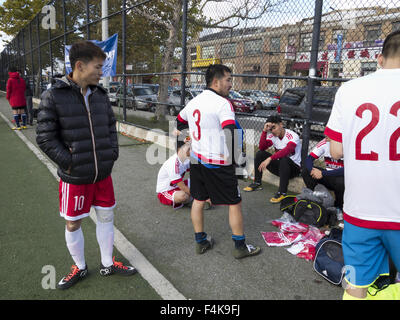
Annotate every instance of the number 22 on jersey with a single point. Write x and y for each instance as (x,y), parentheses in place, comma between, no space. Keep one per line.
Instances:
(373,156)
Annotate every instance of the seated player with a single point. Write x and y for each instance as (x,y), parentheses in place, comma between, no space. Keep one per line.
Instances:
(332,177)
(284,163)
(172,189)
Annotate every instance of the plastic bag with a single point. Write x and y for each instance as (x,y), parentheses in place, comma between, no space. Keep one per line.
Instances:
(279,239)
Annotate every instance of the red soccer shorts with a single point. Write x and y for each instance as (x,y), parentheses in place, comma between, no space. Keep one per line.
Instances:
(167,197)
(76,200)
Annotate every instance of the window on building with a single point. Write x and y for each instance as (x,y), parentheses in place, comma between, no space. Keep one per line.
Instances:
(292,40)
(395,26)
(273,70)
(253,47)
(367,68)
(193,53)
(250,69)
(306,41)
(372,33)
(275,44)
(228,50)
(208,52)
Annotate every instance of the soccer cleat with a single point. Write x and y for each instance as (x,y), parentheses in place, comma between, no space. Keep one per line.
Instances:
(205,245)
(246,251)
(117,267)
(253,187)
(16,128)
(277,197)
(73,277)
(24,127)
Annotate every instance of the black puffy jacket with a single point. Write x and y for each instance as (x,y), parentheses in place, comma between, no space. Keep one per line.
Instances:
(82,143)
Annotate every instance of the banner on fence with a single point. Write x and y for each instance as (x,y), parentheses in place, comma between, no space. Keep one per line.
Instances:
(109,47)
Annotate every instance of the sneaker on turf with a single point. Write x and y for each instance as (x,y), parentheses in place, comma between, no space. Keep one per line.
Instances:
(73,277)
(253,187)
(247,250)
(24,127)
(117,267)
(277,197)
(16,128)
(205,245)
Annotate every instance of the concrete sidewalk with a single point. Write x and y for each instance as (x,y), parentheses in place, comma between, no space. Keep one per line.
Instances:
(165,237)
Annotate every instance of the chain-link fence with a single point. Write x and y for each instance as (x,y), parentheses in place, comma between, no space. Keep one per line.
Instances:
(287,56)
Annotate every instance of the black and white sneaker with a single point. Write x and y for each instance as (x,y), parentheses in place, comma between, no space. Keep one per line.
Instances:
(73,277)
(117,267)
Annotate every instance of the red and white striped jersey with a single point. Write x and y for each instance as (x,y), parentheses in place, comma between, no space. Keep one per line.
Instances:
(322,149)
(365,118)
(207,114)
(289,137)
(171,172)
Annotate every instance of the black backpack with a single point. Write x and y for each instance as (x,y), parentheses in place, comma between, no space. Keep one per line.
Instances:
(311,213)
(329,261)
(287,203)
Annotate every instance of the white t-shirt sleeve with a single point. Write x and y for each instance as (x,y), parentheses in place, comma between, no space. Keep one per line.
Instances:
(226,114)
(319,149)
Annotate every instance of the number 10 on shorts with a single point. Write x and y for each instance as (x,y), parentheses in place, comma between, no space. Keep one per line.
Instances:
(79,201)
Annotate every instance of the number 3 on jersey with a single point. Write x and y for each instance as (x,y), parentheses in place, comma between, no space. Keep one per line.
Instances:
(373,156)
(197,116)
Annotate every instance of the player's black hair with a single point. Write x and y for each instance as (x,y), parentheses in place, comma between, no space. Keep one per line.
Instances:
(391,45)
(274,119)
(179,144)
(84,51)
(216,71)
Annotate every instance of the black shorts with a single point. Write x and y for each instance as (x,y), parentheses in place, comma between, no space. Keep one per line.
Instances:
(220,184)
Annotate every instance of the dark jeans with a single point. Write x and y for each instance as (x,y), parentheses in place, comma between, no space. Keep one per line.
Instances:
(284,168)
(29,109)
(336,184)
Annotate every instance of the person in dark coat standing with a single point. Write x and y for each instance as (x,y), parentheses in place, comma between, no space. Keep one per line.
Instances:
(16,97)
(29,103)
(76,128)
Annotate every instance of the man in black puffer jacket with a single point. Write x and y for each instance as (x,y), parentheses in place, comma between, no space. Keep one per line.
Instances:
(76,129)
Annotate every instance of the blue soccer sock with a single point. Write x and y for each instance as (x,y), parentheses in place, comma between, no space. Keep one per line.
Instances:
(23,116)
(16,119)
(200,237)
(239,240)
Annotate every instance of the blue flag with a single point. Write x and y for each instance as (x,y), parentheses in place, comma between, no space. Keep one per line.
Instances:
(109,47)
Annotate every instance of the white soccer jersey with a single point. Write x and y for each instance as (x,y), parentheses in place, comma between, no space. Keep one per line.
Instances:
(322,149)
(207,114)
(289,137)
(171,172)
(365,119)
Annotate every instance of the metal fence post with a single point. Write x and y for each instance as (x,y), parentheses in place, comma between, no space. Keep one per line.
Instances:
(311,77)
(184,55)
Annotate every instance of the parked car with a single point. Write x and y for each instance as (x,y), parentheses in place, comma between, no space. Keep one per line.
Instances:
(138,97)
(174,97)
(240,103)
(293,105)
(112,91)
(263,99)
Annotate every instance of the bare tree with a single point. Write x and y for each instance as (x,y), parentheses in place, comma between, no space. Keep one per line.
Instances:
(229,15)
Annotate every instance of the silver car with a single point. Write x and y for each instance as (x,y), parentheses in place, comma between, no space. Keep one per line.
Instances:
(174,99)
(263,99)
(138,97)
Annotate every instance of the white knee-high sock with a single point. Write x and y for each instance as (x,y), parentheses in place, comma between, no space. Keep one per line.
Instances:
(105,235)
(76,247)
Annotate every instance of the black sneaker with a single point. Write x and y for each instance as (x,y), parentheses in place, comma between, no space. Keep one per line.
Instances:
(73,277)
(247,250)
(205,245)
(117,267)
(253,187)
